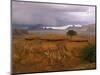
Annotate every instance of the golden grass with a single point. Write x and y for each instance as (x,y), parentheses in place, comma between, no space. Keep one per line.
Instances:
(51,52)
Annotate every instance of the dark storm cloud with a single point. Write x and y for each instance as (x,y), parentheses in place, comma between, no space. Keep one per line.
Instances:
(51,14)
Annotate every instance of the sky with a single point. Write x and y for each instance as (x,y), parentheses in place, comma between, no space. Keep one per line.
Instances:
(29,13)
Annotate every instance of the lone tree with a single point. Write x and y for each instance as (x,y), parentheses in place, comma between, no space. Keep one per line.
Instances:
(71,33)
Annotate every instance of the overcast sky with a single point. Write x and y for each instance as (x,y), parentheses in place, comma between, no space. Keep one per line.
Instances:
(51,14)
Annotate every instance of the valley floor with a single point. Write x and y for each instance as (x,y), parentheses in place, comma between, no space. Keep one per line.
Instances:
(51,52)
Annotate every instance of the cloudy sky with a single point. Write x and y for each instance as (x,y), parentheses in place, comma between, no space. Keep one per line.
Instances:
(51,14)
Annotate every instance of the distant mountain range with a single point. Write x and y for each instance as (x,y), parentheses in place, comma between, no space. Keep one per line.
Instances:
(28,27)
(85,28)
(23,29)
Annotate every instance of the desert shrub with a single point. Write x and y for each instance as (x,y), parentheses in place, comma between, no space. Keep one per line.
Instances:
(88,54)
